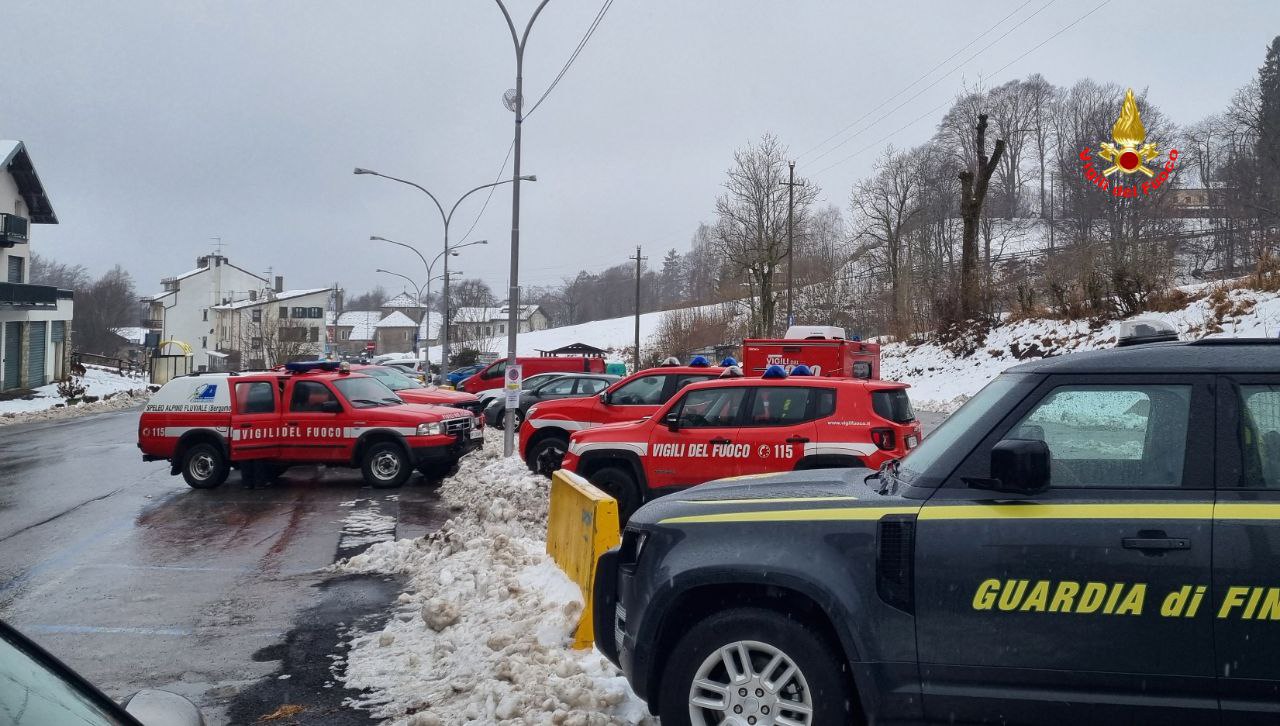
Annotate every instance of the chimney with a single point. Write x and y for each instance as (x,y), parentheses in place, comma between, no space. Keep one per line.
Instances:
(279,283)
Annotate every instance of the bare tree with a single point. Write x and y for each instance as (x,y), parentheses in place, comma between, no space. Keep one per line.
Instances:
(973,192)
(751,229)
(884,206)
(266,340)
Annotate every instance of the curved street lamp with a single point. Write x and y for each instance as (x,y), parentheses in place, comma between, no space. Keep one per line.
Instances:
(446,218)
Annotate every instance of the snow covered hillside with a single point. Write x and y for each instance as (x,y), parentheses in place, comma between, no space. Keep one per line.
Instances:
(941,381)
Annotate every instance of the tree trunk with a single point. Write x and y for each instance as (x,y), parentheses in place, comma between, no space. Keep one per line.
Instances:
(973,192)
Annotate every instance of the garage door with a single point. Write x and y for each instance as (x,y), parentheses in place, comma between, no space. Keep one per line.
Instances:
(12,355)
(35,358)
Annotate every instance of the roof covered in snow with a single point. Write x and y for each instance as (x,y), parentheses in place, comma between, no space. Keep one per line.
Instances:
(277,298)
(396,320)
(361,322)
(490,314)
(403,300)
(137,336)
(430,328)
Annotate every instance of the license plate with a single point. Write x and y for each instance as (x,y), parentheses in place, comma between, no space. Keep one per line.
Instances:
(912,442)
(477,434)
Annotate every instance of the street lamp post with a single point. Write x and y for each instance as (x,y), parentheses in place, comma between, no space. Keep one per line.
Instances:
(417,291)
(426,289)
(447,217)
(516,105)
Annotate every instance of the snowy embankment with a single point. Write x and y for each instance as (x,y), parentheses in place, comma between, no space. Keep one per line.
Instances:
(105,390)
(482,632)
(941,381)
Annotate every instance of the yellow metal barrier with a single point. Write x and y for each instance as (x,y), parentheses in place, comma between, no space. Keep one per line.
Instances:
(582,525)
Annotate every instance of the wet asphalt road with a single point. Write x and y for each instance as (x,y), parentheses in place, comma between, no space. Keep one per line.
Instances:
(138,581)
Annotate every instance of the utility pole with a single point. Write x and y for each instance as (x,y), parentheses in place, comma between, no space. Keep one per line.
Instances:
(790,184)
(638,260)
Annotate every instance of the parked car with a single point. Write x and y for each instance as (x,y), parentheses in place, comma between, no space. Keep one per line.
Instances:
(489,395)
(492,375)
(412,390)
(458,375)
(38,689)
(566,385)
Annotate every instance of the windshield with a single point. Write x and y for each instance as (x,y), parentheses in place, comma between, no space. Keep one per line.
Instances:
(957,425)
(393,379)
(32,692)
(363,392)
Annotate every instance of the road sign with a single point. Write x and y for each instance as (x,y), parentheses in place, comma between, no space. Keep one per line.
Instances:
(513,382)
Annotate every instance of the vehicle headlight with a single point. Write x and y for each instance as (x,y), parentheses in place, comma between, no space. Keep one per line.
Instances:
(430,429)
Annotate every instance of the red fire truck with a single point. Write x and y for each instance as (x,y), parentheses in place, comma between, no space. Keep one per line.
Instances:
(824,349)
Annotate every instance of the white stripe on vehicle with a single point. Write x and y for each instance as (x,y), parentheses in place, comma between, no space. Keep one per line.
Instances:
(839,449)
(538,423)
(640,448)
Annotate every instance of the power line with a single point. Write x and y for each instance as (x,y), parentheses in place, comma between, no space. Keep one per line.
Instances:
(574,56)
(489,196)
(916,120)
(906,88)
(936,81)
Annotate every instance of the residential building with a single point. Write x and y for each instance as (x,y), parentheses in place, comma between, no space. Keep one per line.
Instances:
(271,329)
(396,333)
(183,311)
(35,320)
(353,331)
(485,328)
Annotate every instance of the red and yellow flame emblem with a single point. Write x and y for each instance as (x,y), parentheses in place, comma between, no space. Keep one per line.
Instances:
(1128,154)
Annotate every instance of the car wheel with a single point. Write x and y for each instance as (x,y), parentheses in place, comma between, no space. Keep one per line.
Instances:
(204,466)
(546,455)
(621,485)
(750,665)
(517,417)
(438,469)
(385,465)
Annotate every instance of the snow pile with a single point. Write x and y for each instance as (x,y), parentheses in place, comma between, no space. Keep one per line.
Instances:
(482,632)
(111,389)
(941,381)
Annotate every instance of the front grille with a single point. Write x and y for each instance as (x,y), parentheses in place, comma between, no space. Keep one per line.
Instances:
(459,425)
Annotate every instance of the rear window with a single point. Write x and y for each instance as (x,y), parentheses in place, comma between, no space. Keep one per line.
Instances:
(893,405)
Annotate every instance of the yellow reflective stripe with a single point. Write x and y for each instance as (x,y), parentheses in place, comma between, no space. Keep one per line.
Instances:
(845,514)
(1148,510)
(776,500)
(1246,510)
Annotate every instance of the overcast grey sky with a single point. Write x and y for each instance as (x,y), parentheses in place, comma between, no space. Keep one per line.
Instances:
(156,125)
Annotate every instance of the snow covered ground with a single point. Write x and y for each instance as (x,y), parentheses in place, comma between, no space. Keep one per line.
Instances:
(482,631)
(940,381)
(111,389)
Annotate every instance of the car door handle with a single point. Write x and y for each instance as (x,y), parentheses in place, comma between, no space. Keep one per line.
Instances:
(246,426)
(797,440)
(720,440)
(1155,544)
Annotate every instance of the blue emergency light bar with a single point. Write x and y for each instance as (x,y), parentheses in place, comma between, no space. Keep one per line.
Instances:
(775,371)
(699,361)
(801,370)
(728,361)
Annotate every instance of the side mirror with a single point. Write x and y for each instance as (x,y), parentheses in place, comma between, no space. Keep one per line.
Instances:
(331,407)
(672,420)
(1018,466)
(605,398)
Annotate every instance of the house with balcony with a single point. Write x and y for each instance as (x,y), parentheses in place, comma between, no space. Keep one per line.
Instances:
(184,309)
(35,320)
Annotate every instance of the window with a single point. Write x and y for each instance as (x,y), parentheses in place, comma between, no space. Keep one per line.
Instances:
(1259,437)
(33,691)
(256,397)
(893,405)
(591,386)
(316,312)
(299,312)
(284,312)
(310,396)
(561,387)
(345,335)
(783,405)
(315,335)
(1112,436)
(15,269)
(711,408)
(204,341)
(682,381)
(502,328)
(257,315)
(205,314)
(643,391)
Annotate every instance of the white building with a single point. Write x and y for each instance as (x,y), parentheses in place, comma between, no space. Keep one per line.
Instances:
(271,329)
(35,320)
(184,310)
(475,324)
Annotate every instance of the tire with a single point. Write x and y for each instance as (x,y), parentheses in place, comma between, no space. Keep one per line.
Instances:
(438,469)
(385,465)
(204,466)
(546,455)
(621,485)
(818,683)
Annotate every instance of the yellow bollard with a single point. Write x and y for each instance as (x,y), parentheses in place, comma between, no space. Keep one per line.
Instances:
(582,524)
